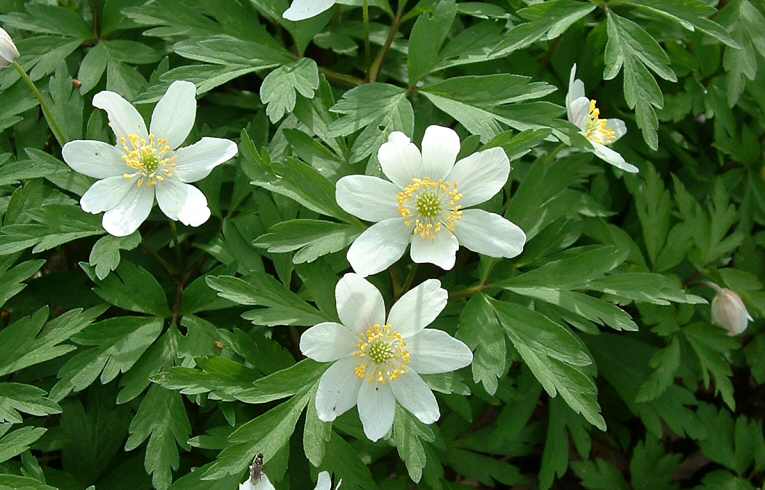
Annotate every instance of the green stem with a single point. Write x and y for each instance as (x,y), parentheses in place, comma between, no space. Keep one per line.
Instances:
(467,292)
(341,77)
(365,15)
(409,279)
(374,70)
(49,117)
(176,245)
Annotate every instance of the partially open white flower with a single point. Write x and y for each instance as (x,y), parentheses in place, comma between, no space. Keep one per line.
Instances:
(148,163)
(585,115)
(305,9)
(8,51)
(263,483)
(424,204)
(729,311)
(377,361)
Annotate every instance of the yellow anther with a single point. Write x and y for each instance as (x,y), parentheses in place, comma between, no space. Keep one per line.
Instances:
(428,206)
(597,129)
(152,159)
(382,353)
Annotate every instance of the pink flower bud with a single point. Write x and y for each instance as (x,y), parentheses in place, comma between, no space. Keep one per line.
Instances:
(729,312)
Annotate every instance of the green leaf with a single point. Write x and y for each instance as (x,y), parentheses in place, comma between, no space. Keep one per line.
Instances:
(54,225)
(105,254)
(265,434)
(599,475)
(316,436)
(409,437)
(484,103)
(279,89)
(93,67)
(548,20)
(652,468)
(632,47)
(12,276)
(665,362)
(16,398)
(427,37)
(309,238)
(25,343)
(16,442)
(376,108)
(481,331)
(712,345)
(281,306)
(131,288)
(110,347)
(691,14)
(162,419)
(555,356)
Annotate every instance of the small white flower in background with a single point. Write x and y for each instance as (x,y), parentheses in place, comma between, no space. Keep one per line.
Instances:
(729,311)
(305,9)
(424,204)
(8,51)
(585,115)
(377,361)
(263,483)
(148,163)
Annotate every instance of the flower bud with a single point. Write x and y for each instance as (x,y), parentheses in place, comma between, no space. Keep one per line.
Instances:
(8,51)
(729,312)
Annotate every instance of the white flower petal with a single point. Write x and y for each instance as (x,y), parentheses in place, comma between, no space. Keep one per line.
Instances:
(263,484)
(105,194)
(359,304)
(489,234)
(127,216)
(338,390)
(379,247)
(8,51)
(175,113)
(414,394)
(94,158)
(617,126)
(481,176)
(578,112)
(377,406)
(441,250)
(418,308)
(366,197)
(124,119)
(195,162)
(608,155)
(327,342)
(324,482)
(575,89)
(305,9)
(435,351)
(440,147)
(182,202)
(400,159)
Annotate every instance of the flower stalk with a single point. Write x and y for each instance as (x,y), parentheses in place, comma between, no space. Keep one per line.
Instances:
(53,123)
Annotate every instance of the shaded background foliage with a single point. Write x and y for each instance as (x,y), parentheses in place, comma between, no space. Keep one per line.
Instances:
(128,362)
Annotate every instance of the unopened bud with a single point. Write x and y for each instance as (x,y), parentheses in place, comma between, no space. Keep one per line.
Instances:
(729,312)
(8,51)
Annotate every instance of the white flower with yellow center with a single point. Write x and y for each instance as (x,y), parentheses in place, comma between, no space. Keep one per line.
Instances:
(305,9)
(585,115)
(145,163)
(377,361)
(424,204)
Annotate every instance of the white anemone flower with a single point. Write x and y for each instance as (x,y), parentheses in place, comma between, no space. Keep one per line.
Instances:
(585,115)
(729,311)
(8,51)
(145,163)
(377,361)
(305,9)
(423,204)
(263,483)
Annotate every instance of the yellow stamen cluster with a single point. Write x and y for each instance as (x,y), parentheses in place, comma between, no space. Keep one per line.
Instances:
(597,129)
(382,354)
(152,159)
(428,206)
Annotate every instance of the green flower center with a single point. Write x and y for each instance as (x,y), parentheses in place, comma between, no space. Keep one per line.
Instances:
(428,205)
